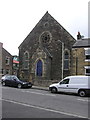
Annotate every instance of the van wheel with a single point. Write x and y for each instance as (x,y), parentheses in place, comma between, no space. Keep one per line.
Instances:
(82,93)
(53,90)
(19,86)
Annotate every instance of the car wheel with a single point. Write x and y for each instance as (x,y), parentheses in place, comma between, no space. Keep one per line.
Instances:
(53,90)
(30,86)
(19,86)
(3,83)
(82,93)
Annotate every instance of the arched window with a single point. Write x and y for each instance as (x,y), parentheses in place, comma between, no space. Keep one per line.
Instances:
(26,56)
(66,60)
(39,68)
(26,60)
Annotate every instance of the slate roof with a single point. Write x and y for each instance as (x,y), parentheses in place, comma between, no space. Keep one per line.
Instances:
(82,43)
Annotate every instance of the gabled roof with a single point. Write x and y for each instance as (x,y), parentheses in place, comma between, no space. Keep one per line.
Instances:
(4,50)
(46,18)
(82,43)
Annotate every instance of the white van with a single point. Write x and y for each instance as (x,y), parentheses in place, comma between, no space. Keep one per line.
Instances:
(72,84)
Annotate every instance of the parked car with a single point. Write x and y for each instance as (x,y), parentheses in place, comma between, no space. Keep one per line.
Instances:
(72,84)
(12,80)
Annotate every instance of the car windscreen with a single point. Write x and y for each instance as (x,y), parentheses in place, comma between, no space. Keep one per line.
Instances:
(65,81)
(15,78)
(6,77)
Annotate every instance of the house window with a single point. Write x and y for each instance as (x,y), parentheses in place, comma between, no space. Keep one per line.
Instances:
(87,70)
(66,60)
(7,60)
(87,57)
(1,71)
(26,60)
(39,68)
(7,71)
(87,54)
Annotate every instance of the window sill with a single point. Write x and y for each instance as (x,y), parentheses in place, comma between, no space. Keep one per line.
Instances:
(66,69)
(88,74)
(87,60)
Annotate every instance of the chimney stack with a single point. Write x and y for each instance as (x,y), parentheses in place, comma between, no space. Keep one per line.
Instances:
(79,36)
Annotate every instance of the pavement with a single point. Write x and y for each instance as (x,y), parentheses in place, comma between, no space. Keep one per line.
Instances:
(40,88)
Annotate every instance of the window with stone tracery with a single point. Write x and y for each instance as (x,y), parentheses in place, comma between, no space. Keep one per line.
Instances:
(39,68)
(66,60)
(26,60)
(45,37)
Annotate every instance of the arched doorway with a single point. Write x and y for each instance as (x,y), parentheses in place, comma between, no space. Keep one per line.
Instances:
(39,68)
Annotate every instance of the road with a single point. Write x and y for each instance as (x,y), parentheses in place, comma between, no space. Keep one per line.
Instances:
(33,103)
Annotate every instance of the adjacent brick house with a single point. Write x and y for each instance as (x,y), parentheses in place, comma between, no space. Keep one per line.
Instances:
(46,53)
(5,61)
(81,57)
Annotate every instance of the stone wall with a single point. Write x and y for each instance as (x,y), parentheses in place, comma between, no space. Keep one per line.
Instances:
(79,61)
(44,83)
(5,66)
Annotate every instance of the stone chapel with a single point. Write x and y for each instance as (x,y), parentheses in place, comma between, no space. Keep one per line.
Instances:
(45,55)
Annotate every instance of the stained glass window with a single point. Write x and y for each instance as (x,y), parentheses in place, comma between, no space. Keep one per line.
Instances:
(39,68)
(66,60)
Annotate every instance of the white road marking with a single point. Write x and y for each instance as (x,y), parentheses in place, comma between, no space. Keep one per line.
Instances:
(27,91)
(39,93)
(84,100)
(5,87)
(41,108)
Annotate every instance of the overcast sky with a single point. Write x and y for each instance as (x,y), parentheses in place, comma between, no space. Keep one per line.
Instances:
(19,17)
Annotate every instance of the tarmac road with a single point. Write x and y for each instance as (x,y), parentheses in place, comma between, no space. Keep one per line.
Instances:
(33,103)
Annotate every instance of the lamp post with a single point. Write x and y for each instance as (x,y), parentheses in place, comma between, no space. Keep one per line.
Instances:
(62,56)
